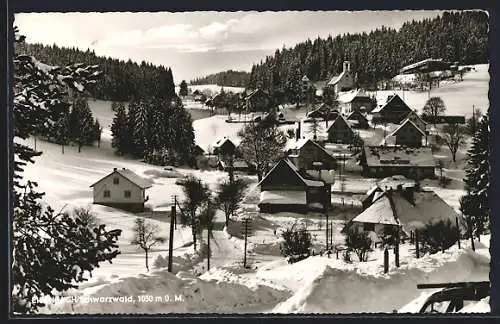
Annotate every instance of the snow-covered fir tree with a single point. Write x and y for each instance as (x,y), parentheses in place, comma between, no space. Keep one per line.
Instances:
(478,174)
(119,129)
(52,252)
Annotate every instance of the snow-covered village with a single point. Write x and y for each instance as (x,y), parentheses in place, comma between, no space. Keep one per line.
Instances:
(221,162)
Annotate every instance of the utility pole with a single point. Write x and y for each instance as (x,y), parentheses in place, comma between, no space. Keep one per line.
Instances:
(458,232)
(209,234)
(327,230)
(171,238)
(246,223)
(331,234)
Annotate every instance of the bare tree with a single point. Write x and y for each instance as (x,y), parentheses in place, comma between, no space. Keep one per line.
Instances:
(453,136)
(262,145)
(434,107)
(145,236)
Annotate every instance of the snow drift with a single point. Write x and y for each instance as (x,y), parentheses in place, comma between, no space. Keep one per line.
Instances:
(343,291)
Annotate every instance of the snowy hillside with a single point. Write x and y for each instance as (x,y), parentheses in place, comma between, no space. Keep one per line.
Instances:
(458,97)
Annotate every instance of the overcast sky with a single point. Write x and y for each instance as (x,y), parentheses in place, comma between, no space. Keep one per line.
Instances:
(198,43)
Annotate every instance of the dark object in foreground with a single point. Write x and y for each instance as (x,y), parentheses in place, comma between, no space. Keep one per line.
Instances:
(454,295)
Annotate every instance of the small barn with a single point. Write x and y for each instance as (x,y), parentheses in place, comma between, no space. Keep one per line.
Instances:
(340,131)
(386,161)
(258,100)
(224,147)
(354,100)
(408,134)
(238,165)
(123,189)
(445,119)
(284,188)
(393,111)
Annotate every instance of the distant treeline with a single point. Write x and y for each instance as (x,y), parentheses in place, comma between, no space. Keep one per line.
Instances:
(377,55)
(120,81)
(228,78)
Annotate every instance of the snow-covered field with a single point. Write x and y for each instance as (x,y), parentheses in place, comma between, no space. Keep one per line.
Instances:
(212,88)
(316,284)
(458,97)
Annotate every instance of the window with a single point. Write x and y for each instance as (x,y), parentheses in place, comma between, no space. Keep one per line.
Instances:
(107,193)
(368,227)
(116,180)
(127,193)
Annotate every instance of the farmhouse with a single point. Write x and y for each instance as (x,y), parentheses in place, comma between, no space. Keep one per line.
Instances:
(385,161)
(408,134)
(284,188)
(407,209)
(238,165)
(308,155)
(324,112)
(393,111)
(448,119)
(122,189)
(357,120)
(258,100)
(340,131)
(427,65)
(354,100)
(342,82)
(224,147)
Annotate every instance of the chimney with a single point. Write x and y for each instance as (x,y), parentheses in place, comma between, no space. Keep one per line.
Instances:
(347,66)
(298,132)
(114,169)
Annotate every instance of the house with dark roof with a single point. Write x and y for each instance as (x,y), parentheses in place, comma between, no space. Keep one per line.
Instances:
(393,111)
(386,161)
(258,100)
(357,120)
(122,188)
(406,209)
(354,100)
(340,131)
(224,147)
(285,188)
(342,82)
(408,134)
(445,119)
(308,155)
(385,184)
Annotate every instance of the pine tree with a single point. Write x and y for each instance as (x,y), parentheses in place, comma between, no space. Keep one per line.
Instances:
(183,91)
(42,263)
(478,172)
(119,130)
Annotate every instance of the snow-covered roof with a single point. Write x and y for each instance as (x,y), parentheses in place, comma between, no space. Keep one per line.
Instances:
(283,197)
(221,142)
(348,96)
(380,212)
(327,176)
(129,175)
(305,78)
(406,121)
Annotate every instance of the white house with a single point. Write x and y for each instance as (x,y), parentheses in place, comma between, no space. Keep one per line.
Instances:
(123,189)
